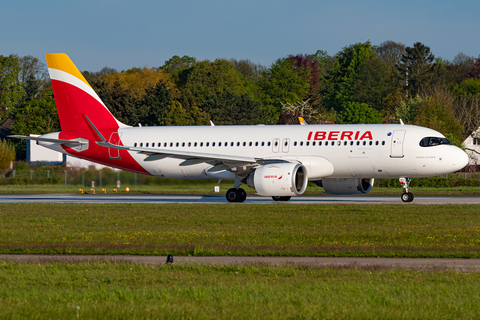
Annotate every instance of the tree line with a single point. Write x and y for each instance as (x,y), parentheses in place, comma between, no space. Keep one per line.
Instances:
(363,83)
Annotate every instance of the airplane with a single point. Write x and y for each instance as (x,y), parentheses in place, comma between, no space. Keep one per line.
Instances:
(276,160)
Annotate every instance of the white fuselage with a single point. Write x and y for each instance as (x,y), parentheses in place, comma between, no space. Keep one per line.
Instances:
(360,151)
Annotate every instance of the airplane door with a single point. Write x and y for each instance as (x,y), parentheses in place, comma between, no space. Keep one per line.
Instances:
(397,144)
(114,139)
(276,145)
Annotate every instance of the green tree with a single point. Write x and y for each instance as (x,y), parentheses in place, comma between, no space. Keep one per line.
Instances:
(416,68)
(7,155)
(470,87)
(34,77)
(120,100)
(228,108)
(408,109)
(160,107)
(34,117)
(341,81)
(175,64)
(11,91)
(282,83)
(355,112)
(376,85)
(207,78)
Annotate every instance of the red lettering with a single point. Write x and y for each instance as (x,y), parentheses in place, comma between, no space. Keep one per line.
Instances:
(346,134)
(320,135)
(367,135)
(309,135)
(333,135)
(356,135)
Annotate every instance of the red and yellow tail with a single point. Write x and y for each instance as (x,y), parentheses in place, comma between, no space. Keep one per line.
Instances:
(74,97)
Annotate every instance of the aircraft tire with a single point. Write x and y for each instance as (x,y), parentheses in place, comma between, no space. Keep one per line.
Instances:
(236,195)
(279,198)
(243,195)
(407,197)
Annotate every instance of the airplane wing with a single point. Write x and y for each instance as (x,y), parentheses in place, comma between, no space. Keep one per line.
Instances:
(219,161)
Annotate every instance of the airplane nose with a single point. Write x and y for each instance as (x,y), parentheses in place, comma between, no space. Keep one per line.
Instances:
(460,159)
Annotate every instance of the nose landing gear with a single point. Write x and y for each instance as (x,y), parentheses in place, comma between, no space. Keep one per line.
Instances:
(406,196)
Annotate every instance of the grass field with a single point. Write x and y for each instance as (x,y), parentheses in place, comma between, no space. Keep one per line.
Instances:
(229,229)
(206,187)
(99,290)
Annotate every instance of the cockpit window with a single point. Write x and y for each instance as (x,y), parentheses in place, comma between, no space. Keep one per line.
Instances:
(433,141)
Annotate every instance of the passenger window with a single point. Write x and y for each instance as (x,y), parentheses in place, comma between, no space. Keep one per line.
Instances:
(269,143)
(146,145)
(276,143)
(326,143)
(141,144)
(320,143)
(201,144)
(339,143)
(263,143)
(213,144)
(308,143)
(244,144)
(135,144)
(345,143)
(295,143)
(301,143)
(165,145)
(376,143)
(383,143)
(313,143)
(358,143)
(232,144)
(208,143)
(286,143)
(250,144)
(371,142)
(256,144)
(351,143)
(189,144)
(183,144)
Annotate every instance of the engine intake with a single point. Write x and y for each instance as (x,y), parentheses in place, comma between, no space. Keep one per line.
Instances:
(280,179)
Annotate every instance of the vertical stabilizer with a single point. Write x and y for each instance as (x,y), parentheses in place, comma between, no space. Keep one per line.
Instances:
(74,96)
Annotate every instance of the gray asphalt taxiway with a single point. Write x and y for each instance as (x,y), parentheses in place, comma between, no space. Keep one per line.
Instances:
(462,265)
(251,199)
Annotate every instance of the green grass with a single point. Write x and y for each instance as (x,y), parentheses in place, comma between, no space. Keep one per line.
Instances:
(99,290)
(229,229)
(206,187)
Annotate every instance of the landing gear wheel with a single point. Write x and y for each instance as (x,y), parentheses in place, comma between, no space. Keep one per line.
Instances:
(278,198)
(407,197)
(243,195)
(236,195)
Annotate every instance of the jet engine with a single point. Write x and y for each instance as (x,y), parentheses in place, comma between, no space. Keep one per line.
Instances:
(346,186)
(280,179)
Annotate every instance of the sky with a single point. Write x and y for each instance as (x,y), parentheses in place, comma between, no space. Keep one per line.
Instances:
(122,34)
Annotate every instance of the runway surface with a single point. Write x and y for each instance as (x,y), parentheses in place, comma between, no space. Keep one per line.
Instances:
(464,265)
(251,199)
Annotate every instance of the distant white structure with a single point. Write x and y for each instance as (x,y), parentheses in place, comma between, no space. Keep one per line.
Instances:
(472,147)
(39,154)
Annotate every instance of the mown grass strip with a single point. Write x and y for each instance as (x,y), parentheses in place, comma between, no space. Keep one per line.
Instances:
(99,290)
(217,229)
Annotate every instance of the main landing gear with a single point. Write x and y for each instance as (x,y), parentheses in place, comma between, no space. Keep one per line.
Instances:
(406,196)
(236,195)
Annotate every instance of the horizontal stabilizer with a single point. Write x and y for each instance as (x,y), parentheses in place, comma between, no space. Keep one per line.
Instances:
(60,141)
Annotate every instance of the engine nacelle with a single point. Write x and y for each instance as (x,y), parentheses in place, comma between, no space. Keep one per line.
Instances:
(280,179)
(346,186)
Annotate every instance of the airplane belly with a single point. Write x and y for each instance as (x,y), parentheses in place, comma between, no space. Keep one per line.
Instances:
(170,168)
